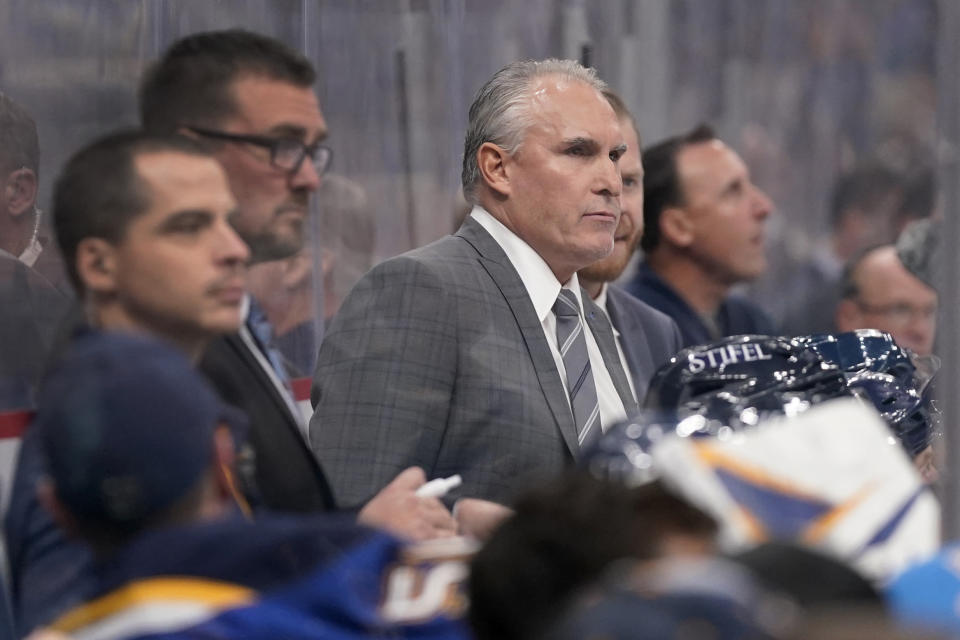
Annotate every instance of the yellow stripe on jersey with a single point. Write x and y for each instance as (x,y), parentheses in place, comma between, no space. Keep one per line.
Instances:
(821,527)
(211,593)
(755,475)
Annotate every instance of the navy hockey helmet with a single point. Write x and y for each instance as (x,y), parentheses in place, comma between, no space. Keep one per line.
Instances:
(741,379)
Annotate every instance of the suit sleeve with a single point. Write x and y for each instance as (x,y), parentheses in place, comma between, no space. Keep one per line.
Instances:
(384,380)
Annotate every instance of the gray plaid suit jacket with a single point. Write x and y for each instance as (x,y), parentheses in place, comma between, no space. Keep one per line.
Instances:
(437,359)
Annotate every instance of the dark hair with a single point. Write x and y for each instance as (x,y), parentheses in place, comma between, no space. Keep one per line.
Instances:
(849,289)
(190,84)
(19,145)
(865,187)
(811,577)
(99,190)
(661,184)
(620,108)
(561,538)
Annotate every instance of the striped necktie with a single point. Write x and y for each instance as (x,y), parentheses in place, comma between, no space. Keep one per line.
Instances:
(576,360)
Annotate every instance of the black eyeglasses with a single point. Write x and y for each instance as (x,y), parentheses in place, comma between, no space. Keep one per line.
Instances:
(286,154)
(899,314)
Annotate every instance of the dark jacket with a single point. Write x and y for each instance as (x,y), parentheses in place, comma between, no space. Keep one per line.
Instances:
(736,315)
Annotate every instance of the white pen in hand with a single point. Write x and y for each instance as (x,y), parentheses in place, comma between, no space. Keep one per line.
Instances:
(438,487)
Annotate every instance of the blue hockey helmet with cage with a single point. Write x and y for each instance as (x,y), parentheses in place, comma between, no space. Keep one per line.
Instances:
(714,390)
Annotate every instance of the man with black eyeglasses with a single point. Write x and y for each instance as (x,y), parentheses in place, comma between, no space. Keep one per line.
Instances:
(879,293)
(250,100)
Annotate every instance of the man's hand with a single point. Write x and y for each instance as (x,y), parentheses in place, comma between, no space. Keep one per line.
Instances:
(479,518)
(400,511)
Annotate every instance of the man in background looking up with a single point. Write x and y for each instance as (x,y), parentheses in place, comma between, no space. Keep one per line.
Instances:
(703,233)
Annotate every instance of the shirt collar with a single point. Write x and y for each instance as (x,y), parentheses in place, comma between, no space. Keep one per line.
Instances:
(541,285)
(601,301)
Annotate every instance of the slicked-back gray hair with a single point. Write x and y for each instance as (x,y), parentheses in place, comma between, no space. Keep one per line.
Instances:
(500,112)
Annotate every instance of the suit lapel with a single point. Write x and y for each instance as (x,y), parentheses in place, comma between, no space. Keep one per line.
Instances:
(603,334)
(635,349)
(496,263)
(243,352)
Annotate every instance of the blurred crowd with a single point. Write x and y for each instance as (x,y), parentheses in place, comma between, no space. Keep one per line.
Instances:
(564,420)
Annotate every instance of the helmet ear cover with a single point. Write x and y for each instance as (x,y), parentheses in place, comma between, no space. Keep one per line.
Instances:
(911,416)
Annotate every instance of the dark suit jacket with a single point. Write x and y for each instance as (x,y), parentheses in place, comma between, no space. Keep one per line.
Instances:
(31,311)
(649,338)
(437,358)
(287,476)
(736,315)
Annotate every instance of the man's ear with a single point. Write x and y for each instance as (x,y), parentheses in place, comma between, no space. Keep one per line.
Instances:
(297,271)
(97,265)
(20,191)
(47,496)
(493,162)
(677,227)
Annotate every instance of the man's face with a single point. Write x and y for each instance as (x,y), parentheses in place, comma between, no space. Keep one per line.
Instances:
(564,181)
(180,268)
(893,300)
(630,228)
(273,203)
(726,212)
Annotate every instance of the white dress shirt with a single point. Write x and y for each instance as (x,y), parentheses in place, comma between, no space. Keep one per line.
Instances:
(544,288)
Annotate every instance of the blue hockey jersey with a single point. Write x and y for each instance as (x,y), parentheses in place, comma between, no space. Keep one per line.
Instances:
(276,578)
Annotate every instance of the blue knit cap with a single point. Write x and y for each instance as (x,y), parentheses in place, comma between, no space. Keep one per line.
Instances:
(127,426)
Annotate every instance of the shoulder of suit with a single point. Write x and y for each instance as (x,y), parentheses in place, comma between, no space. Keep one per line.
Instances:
(442,259)
(629,303)
(224,355)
